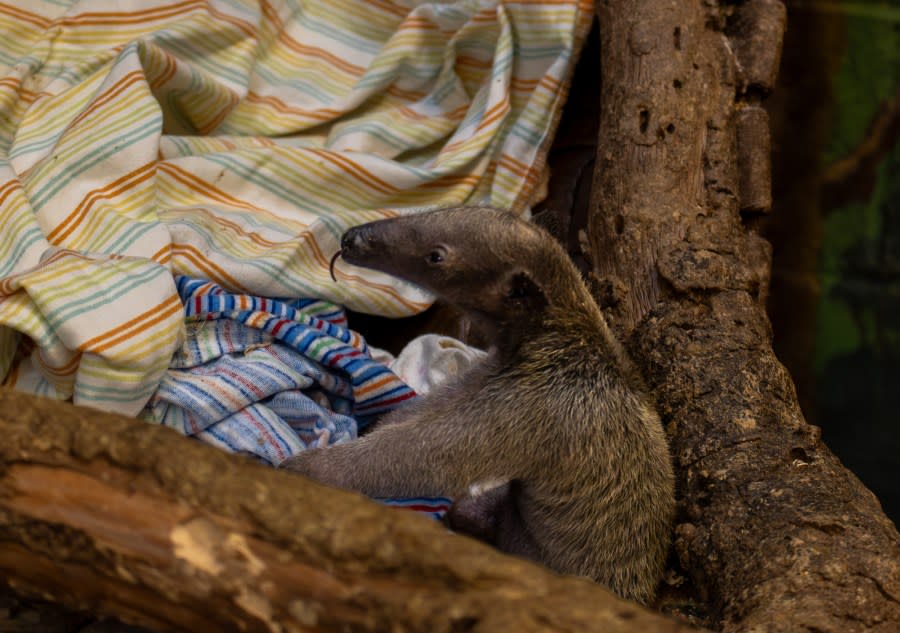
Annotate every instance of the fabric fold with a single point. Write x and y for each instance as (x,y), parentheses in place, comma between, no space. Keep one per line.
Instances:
(235,141)
(269,378)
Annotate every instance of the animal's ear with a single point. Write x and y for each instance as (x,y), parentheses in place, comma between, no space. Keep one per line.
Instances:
(522,288)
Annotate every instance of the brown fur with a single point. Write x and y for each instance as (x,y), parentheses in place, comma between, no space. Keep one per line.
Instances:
(555,410)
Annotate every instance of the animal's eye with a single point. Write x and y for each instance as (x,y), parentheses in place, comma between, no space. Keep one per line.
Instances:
(517,292)
(436,256)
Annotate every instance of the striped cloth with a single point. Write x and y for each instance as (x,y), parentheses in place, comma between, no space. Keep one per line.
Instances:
(235,140)
(435,507)
(269,378)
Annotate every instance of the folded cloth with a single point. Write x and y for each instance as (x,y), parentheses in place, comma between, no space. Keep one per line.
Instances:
(435,507)
(235,140)
(268,377)
(431,359)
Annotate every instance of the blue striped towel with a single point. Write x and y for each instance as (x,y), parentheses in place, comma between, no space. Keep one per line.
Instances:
(269,378)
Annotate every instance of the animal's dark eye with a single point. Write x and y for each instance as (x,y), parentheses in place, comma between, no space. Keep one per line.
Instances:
(436,256)
(517,292)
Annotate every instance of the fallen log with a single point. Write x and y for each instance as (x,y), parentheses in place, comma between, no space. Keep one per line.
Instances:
(113,516)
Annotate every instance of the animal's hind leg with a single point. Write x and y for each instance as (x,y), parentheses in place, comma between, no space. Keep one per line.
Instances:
(478,514)
(493,516)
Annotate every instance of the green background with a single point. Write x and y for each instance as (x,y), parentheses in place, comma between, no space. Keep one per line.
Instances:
(835,229)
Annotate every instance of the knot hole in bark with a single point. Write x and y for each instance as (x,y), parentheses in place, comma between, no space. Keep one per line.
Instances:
(798,454)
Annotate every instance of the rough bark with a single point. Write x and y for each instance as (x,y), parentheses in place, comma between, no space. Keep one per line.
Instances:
(754,152)
(776,533)
(755,30)
(111,515)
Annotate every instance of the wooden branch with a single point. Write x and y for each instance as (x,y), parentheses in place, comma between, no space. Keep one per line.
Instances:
(756,31)
(115,516)
(754,159)
(772,528)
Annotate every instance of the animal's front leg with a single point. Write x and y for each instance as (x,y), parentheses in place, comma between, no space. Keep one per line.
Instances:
(403,459)
(314,463)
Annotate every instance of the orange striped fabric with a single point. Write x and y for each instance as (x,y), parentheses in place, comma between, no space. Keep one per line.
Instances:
(235,141)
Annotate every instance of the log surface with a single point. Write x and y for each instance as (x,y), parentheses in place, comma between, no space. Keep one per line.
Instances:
(114,516)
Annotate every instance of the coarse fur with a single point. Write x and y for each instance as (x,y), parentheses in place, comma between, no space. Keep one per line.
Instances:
(555,409)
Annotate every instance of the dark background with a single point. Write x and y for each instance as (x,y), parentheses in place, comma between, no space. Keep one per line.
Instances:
(835,229)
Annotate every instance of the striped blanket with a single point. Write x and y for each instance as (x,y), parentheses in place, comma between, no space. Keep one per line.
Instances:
(269,378)
(234,141)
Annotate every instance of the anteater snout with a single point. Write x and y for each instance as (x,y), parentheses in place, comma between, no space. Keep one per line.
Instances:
(358,240)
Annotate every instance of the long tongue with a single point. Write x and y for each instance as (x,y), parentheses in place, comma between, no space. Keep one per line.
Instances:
(331,265)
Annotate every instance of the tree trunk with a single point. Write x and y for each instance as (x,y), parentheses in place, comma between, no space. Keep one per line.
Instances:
(111,515)
(772,529)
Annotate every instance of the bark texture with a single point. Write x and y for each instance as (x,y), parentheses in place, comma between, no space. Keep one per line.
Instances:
(776,533)
(110,515)
(754,159)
